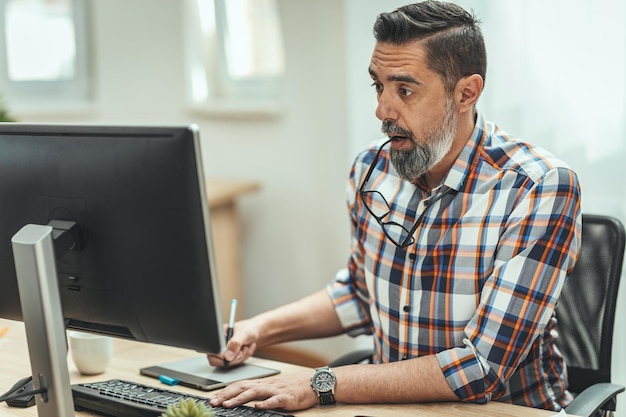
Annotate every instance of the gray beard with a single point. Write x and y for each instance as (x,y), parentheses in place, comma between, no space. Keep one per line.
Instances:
(412,164)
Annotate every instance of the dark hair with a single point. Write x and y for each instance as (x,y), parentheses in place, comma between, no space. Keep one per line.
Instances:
(452,37)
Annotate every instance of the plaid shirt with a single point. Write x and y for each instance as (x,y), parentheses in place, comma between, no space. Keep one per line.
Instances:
(480,285)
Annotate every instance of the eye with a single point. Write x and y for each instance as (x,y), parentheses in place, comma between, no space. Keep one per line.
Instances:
(405,92)
(377,86)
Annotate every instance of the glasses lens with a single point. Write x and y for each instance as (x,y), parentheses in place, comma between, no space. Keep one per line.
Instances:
(396,233)
(376,203)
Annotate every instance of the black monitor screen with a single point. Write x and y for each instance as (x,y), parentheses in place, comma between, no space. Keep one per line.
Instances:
(144,269)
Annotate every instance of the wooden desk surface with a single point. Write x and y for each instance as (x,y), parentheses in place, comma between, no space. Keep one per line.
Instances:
(130,356)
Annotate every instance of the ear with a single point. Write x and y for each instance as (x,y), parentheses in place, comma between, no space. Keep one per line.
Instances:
(468,91)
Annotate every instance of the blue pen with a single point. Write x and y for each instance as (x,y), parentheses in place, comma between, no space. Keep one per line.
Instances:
(231,319)
(231,323)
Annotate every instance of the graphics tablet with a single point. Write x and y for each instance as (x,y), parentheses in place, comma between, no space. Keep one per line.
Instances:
(197,373)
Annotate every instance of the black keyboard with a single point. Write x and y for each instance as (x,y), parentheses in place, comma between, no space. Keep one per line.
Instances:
(129,399)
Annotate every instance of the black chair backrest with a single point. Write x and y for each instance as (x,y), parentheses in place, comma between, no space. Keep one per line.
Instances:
(586,308)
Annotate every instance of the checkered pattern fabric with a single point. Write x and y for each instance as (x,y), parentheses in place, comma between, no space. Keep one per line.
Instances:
(479,287)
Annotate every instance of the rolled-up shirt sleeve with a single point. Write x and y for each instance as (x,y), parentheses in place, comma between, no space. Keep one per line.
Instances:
(350,308)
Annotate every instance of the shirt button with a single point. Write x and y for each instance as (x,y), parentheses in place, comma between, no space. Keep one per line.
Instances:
(426,203)
(406,308)
(412,256)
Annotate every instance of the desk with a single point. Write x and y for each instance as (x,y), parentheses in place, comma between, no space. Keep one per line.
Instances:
(130,356)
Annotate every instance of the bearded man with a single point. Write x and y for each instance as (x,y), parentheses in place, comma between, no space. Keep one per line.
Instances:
(462,238)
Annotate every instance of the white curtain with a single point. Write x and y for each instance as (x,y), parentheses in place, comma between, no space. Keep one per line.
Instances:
(556,78)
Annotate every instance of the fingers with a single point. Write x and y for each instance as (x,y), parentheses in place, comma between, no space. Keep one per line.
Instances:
(240,347)
(237,393)
(290,392)
(234,355)
(244,353)
(215,360)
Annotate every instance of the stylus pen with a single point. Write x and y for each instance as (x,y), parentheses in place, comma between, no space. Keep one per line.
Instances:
(231,323)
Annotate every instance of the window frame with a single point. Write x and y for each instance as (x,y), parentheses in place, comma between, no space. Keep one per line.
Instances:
(226,97)
(44,96)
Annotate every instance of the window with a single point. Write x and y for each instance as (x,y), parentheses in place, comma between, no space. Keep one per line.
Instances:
(235,58)
(45,45)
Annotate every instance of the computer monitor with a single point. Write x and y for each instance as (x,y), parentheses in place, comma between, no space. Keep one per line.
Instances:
(144,269)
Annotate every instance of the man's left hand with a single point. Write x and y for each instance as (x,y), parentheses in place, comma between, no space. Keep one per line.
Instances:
(286,392)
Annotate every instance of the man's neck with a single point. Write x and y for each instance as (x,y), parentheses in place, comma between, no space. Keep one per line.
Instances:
(465,127)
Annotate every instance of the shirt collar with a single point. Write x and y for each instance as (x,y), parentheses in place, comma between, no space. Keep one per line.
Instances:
(461,167)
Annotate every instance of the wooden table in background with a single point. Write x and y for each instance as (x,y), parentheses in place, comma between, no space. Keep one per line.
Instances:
(227,234)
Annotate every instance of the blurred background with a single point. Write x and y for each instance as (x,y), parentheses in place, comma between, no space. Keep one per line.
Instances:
(281,93)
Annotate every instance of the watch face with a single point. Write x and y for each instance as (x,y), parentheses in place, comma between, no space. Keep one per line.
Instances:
(324,381)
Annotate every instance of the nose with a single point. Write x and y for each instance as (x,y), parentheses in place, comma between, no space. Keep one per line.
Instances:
(386,109)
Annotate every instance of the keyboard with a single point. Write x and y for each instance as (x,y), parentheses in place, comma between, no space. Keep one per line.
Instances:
(129,399)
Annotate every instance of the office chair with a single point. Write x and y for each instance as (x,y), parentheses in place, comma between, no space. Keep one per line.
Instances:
(585,314)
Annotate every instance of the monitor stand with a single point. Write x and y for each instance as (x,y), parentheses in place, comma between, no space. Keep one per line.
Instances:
(35,265)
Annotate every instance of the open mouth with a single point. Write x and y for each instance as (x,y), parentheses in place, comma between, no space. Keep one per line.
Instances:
(397,138)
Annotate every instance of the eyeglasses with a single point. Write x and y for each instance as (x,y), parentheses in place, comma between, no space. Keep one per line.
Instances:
(379,208)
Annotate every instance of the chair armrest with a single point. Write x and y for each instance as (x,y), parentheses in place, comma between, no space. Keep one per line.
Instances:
(594,398)
(353,357)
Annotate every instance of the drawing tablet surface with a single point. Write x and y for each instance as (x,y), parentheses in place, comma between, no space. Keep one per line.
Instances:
(197,373)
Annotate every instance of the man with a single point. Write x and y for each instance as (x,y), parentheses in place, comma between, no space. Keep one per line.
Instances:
(461,241)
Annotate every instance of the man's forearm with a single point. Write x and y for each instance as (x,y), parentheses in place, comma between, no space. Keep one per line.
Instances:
(413,380)
(313,316)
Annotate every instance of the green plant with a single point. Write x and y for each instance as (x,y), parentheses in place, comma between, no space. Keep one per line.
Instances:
(4,114)
(188,408)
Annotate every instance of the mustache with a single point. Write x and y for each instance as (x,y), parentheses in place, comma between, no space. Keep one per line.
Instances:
(391,128)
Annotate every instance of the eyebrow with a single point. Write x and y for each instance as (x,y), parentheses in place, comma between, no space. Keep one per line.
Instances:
(401,78)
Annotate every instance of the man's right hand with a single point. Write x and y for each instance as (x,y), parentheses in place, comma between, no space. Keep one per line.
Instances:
(310,317)
(240,346)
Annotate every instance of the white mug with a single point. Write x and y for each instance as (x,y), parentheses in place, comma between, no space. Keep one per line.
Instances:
(91,353)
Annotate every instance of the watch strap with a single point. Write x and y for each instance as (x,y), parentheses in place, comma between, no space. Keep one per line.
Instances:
(326,398)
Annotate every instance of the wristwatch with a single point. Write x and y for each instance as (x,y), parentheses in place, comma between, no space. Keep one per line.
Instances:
(323,383)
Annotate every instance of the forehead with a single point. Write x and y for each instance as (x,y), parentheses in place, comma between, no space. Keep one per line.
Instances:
(389,59)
